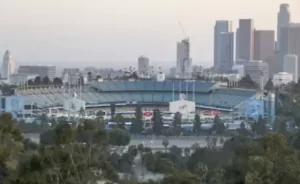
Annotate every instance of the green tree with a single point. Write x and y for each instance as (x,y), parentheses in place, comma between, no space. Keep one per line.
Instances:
(259,127)
(180,178)
(112,111)
(218,126)
(165,143)
(82,113)
(119,137)
(137,124)
(280,125)
(30,82)
(64,134)
(37,80)
(157,122)
(197,124)
(177,122)
(269,85)
(247,82)
(119,119)
(46,81)
(57,81)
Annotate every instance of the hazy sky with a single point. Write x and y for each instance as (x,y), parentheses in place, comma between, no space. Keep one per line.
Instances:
(115,32)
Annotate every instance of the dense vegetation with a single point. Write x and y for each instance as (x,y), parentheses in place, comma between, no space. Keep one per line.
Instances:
(85,152)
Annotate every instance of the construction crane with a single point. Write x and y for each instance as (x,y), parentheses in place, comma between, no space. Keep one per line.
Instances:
(183,30)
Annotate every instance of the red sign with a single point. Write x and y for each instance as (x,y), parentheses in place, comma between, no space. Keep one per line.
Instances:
(216,113)
(148,113)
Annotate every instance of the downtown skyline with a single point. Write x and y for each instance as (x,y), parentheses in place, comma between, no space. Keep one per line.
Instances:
(49,42)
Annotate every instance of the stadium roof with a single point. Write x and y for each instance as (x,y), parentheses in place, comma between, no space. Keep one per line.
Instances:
(149,85)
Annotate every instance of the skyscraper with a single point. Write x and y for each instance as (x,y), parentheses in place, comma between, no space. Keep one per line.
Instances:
(245,40)
(8,66)
(264,45)
(221,26)
(290,65)
(289,43)
(283,20)
(184,62)
(143,66)
(226,52)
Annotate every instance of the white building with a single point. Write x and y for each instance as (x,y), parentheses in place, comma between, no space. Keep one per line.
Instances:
(184,63)
(258,71)
(290,65)
(41,70)
(8,66)
(143,66)
(282,78)
(21,79)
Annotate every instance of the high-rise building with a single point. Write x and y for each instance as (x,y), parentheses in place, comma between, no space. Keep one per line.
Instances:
(8,66)
(283,20)
(143,66)
(184,62)
(245,40)
(226,52)
(40,70)
(221,26)
(71,75)
(290,65)
(258,71)
(289,43)
(264,45)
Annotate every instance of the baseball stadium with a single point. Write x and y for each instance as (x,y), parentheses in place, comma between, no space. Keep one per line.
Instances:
(206,98)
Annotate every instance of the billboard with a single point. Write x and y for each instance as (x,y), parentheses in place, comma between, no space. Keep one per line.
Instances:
(255,108)
(14,105)
(182,106)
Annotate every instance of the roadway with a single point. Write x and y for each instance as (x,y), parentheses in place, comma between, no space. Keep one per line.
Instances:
(153,141)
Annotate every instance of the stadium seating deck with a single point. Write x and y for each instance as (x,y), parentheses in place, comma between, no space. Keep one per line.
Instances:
(147,92)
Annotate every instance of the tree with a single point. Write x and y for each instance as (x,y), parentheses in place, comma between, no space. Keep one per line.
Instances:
(112,111)
(177,122)
(280,125)
(268,160)
(269,85)
(81,81)
(99,115)
(259,127)
(180,178)
(157,122)
(197,124)
(137,124)
(218,126)
(247,82)
(165,143)
(82,112)
(120,120)
(37,80)
(98,77)
(30,82)
(63,134)
(89,76)
(46,81)
(119,137)
(57,81)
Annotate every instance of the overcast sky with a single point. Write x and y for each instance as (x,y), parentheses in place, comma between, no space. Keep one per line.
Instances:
(113,33)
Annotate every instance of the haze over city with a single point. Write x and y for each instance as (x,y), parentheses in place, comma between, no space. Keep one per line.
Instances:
(81,33)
